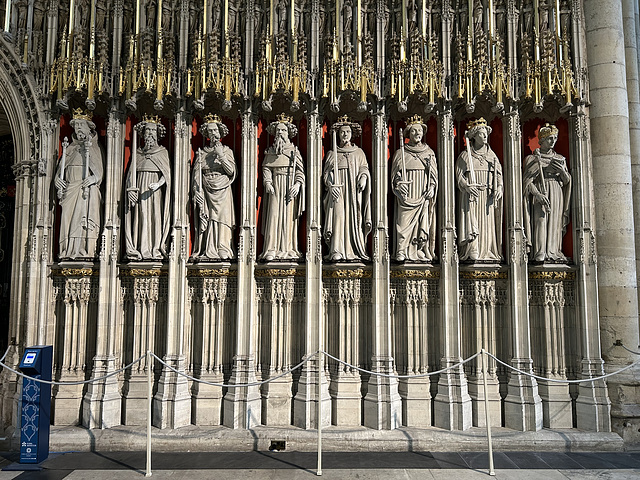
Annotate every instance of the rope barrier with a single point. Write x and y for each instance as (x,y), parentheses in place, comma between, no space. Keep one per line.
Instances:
(239,385)
(556,380)
(308,358)
(627,349)
(5,354)
(82,382)
(388,375)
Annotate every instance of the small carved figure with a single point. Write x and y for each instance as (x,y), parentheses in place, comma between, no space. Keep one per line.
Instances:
(148,187)
(347,20)
(217,13)
(281,12)
(150,11)
(214,170)
(414,181)
(39,8)
(477,16)
(167,16)
(479,179)
(77,181)
(284,199)
(102,14)
(21,7)
(546,186)
(347,198)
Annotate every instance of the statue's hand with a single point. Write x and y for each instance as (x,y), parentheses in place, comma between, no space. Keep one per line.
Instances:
(335,193)
(499,193)
(362,183)
(133,197)
(431,192)
(60,184)
(219,150)
(403,190)
(90,180)
(472,191)
(293,191)
(154,186)
(198,198)
(543,201)
(268,187)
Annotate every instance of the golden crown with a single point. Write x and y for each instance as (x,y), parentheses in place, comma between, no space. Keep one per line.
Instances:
(150,118)
(415,120)
(547,130)
(480,122)
(79,114)
(344,119)
(284,118)
(211,118)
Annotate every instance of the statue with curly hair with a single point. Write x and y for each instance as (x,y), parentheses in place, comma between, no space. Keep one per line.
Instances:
(347,199)
(148,187)
(214,170)
(480,187)
(283,201)
(414,182)
(546,185)
(77,181)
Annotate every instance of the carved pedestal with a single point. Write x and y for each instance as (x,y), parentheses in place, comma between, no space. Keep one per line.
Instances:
(551,292)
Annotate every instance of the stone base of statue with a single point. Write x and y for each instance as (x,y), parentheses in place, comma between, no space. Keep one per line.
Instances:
(206,403)
(416,404)
(556,403)
(346,396)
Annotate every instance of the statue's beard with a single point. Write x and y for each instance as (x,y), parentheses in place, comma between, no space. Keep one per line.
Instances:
(279,143)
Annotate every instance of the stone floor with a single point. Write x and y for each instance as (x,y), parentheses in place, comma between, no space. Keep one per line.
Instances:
(336,465)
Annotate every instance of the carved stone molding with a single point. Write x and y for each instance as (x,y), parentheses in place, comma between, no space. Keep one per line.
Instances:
(552,275)
(347,273)
(77,272)
(212,272)
(415,273)
(482,275)
(280,272)
(143,272)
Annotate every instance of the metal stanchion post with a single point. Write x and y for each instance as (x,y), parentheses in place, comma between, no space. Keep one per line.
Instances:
(486,411)
(149,413)
(319,411)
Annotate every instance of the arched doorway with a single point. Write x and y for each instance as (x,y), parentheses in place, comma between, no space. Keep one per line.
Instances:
(7,209)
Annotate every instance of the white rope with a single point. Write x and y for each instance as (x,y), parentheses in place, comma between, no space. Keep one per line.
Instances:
(5,354)
(556,380)
(628,350)
(53,382)
(387,375)
(239,385)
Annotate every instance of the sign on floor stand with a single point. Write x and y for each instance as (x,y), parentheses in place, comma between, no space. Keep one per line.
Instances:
(35,411)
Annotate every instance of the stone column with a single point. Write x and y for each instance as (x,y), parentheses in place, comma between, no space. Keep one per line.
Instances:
(633,95)
(305,402)
(242,406)
(382,403)
(522,405)
(612,178)
(101,404)
(452,404)
(593,409)
(172,401)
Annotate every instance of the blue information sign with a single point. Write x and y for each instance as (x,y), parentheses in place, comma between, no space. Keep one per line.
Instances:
(36,404)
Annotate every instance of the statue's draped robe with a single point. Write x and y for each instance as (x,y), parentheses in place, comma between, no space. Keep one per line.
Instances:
(147,222)
(480,219)
(215,221)
(280,214)
(544,231)
(415,226)
(347,220)
(81,216)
